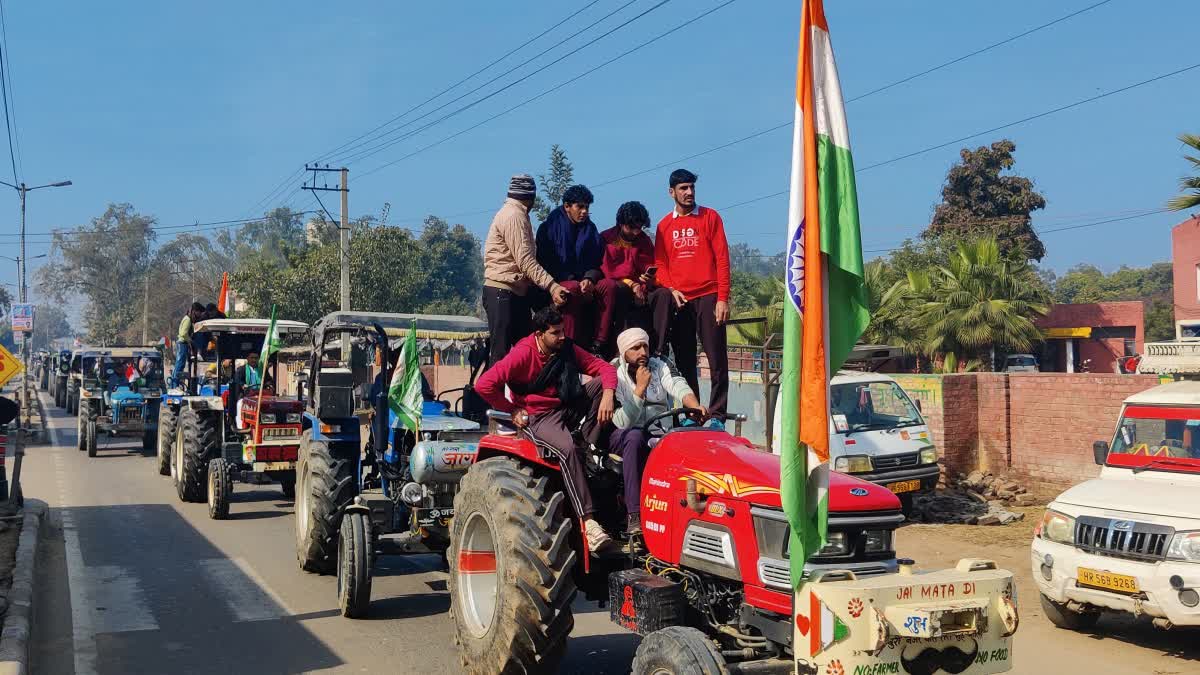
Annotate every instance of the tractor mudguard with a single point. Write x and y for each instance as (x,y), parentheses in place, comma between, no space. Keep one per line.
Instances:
(348,431)
(494,445)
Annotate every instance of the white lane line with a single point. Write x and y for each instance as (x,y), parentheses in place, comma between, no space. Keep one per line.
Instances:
(116,601)
(242,590)
(84,636)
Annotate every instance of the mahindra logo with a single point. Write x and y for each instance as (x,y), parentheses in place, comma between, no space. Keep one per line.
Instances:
(1123,525)
(859,492)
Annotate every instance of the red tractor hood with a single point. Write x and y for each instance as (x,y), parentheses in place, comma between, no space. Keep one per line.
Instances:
(722,464)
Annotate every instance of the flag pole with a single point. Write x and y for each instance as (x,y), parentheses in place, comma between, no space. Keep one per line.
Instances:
(262,379)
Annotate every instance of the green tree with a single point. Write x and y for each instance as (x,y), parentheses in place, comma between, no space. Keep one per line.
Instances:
(554,184)
(977,199)
(745,258)
(103,263)
(756,297)
(452,267)
(893,311)
(1190,185)
(979,303)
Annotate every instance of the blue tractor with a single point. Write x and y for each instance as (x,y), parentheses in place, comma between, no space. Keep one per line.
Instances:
(119,391)
(397,497)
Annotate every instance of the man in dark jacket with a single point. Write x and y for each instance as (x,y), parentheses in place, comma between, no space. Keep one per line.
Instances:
(569,247)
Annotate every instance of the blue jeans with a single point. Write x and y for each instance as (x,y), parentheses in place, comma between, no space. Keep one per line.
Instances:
(181,358)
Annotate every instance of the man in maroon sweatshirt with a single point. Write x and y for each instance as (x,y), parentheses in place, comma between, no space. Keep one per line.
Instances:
(693,261)
(549,401)
(629,269)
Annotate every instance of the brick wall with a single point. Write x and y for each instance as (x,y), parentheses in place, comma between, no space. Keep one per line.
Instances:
(1039,426)
(1185,256)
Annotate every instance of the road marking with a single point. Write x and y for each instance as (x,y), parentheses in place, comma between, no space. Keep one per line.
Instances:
(242,590)
(116,601)
(84,636)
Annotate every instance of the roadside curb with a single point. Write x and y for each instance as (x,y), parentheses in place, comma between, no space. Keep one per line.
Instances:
(18,623)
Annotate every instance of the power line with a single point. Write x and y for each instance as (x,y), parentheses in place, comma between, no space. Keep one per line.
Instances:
(369,152)
(968,137)
(329,155)
(8,79)
(291,178)
(552,89)
(12,156)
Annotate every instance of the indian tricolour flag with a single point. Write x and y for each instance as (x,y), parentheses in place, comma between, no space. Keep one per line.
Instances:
(225,298)
(827,311)
(404,391)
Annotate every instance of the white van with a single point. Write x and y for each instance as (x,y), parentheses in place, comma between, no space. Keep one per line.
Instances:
(876,433)
(1129,541)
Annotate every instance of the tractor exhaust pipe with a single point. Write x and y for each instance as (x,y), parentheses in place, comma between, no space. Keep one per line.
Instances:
(695,500)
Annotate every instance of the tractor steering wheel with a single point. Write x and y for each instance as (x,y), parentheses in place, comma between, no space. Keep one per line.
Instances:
(655,429)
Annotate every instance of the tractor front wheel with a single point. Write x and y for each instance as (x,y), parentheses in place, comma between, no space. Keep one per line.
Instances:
(195,444)
(167,421)
(355,557)
(510,570)
(81,433)
(326,484)
(678,650)
(91,437)
(220,488)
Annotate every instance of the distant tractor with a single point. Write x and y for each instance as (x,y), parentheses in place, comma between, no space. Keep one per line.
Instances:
(120,395)
(218,428)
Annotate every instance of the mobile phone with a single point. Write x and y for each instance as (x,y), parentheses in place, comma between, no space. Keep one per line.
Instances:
(652,270)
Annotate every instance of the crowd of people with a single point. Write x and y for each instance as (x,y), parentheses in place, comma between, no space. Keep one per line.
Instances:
(615,306)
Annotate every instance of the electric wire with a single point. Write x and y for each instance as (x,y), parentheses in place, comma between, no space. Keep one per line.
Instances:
(9,80)
(12,155)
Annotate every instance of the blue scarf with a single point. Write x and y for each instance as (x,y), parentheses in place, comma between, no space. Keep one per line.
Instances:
(566,250)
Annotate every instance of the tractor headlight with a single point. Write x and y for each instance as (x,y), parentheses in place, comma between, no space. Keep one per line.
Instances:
(852,464)
(929,455)
(1185,546)
(837,545)
(1058,527)
(293,418)
(268,418)
(877,541)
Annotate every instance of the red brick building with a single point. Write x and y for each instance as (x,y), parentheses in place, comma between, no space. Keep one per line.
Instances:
(1185,258)
(1091,337)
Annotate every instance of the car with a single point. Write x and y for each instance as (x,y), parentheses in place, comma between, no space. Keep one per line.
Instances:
(1128,541)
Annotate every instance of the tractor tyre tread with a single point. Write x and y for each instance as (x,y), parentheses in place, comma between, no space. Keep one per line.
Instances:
(220,489)
(199,446)
(91,437)
(355,558)
(679,650)
(532,533)
(333,486)
(167,423)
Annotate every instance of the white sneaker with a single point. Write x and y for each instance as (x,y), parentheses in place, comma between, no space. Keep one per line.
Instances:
(597,538)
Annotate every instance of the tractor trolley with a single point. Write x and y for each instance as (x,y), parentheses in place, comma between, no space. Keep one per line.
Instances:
(216,430)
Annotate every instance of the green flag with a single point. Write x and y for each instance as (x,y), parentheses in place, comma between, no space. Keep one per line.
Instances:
(404,392)
(269,347)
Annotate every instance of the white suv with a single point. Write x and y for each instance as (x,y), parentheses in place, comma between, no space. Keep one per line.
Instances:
(1129,541)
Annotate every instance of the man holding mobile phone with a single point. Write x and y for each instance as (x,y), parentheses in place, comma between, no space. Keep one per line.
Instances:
(692,256)
(629,266)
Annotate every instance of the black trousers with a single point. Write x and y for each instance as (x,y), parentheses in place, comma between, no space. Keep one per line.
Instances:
(698,318)
(509,319)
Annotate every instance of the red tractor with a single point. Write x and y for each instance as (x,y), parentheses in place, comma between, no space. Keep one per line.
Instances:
(710,590)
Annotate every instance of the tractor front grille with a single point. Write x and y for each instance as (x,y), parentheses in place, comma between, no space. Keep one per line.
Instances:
(1122,538)
(131,414)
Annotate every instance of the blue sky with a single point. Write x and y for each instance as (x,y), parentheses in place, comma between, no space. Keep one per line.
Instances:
(195,111)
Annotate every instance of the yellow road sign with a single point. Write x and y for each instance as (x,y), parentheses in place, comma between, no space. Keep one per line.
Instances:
(10,367)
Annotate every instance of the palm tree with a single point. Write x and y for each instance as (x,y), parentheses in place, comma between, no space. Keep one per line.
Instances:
(1188,200)
(766,299)
(892,310)
(981,300)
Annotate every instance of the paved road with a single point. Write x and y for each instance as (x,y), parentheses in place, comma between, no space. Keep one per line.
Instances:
(134,581)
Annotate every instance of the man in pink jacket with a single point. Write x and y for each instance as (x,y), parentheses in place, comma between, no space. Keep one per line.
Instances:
(549,402)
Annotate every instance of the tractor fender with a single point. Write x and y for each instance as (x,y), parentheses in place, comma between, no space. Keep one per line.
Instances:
(205,403)
(494,445)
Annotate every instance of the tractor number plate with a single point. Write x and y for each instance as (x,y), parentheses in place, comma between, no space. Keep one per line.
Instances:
(1120,583)
(904,486)
(288,432)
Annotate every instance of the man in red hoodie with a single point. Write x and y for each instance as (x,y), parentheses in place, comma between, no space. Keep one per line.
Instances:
(549,401)
(629,272)
(693,261)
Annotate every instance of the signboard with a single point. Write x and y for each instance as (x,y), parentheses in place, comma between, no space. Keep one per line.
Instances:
(22,317)
(10,367)
(1067,332)
(19,337)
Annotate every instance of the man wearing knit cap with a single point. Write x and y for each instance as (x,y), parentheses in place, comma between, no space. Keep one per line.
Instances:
(511,270)
(646,386)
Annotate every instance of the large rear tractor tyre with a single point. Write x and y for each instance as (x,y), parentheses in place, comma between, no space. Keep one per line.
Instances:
(510,570)
(196,444)
(1062,617)
(678,650)
(167,423)
(90,442)
(220,489)
(326,484)
(355,559)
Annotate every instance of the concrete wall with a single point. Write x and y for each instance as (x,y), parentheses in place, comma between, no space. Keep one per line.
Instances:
(1185,256)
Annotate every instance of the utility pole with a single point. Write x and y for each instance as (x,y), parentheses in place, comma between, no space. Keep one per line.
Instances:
(343,234)
(146,310)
